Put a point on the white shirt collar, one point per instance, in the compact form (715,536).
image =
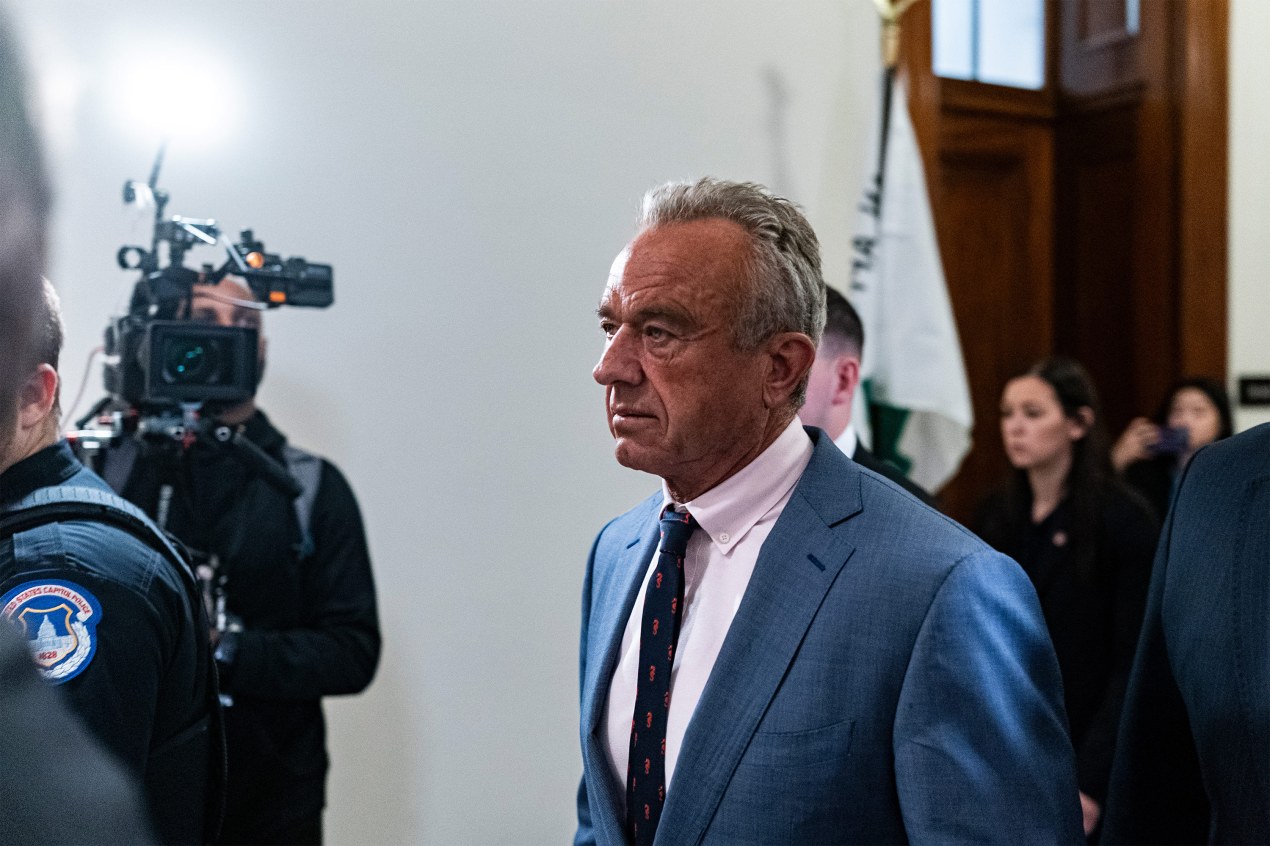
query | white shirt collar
(847,441)
(730,509)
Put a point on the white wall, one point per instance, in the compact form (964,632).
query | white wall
(1249,302)
(470,169)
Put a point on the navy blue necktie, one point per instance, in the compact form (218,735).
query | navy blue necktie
(658,639)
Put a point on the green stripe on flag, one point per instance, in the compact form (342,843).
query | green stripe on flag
(887,423)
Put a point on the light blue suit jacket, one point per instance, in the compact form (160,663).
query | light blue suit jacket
(887,678)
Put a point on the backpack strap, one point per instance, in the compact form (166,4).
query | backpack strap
(62,503)
(117,461)
(305,468)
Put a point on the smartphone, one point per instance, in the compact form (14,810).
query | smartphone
(1173,441)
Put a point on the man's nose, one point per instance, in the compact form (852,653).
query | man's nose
(620,360)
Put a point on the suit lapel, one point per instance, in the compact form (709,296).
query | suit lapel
(798,563)
(618,582)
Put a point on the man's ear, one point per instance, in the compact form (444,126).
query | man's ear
(36,398)
(846,372)
(790,355)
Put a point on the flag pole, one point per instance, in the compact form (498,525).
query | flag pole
(890,11)
(915,397)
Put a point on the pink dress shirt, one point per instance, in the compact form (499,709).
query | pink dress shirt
(736,517)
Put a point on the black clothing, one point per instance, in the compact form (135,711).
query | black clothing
(870,461)
(1154,479)
(1193,758)
(140,676)
(1093,611)
(309,624)
(57,784)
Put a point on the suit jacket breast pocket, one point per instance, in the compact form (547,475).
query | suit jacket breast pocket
(795,749)
(789,787)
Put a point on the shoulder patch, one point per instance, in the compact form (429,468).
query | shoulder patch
(59,620)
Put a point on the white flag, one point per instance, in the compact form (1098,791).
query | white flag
(914,379)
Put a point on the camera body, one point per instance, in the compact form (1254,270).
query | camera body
(156,359)
(171,362)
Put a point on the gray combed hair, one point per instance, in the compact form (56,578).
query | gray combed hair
(787,289)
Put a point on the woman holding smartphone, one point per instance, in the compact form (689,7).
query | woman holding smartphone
(1151,454)
(1085,541)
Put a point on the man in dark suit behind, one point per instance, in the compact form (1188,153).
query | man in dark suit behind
(831,388)
(810,655)
(1193,759)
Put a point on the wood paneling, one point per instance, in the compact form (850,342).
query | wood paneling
(1202,180)
(1095,227)
(995,239)
(1154,330)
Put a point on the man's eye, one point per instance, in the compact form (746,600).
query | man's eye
(656,333)
(609,329)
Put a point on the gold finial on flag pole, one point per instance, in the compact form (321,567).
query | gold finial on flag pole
(891,11)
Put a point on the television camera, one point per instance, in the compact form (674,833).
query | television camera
(166,375)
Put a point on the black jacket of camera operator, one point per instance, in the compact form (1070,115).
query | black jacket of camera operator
(308,618)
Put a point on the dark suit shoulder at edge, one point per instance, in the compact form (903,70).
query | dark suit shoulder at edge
(1247,454)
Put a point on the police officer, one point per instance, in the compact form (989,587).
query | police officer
(57,784)
(293,580)
(111,615)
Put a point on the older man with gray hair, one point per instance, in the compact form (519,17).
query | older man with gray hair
(807,654)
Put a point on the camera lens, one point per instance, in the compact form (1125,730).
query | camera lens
(191,361)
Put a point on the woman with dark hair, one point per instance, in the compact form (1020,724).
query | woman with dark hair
(1151,454)
(1086,543)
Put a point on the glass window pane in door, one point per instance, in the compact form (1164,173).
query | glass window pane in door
(952,22)
(1012,43)
(1132,16)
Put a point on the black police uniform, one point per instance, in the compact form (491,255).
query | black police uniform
(309,626)
(111,620)
(50,762)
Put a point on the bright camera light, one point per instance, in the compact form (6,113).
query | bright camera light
(185,96)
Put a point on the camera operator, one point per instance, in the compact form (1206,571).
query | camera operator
(293,598)
(111,614)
